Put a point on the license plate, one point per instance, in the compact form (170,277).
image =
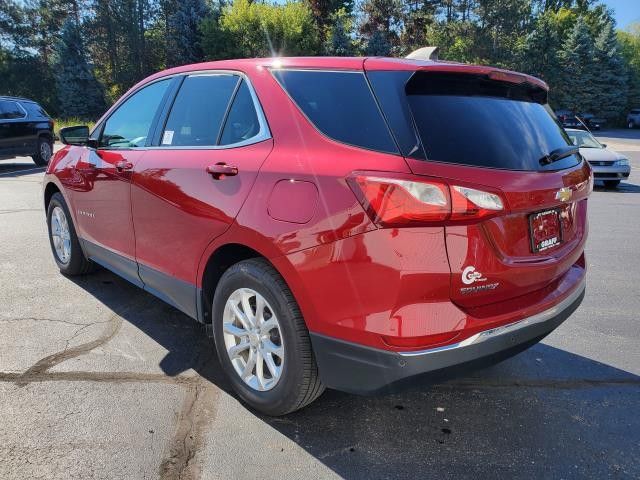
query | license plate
(545,229)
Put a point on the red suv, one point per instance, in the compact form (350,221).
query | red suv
(339,222)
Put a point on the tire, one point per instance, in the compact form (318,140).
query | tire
(298,383)
(43,153)
(611,184)
(69,258)
(631,124)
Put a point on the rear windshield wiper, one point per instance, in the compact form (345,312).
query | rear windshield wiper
(558,154)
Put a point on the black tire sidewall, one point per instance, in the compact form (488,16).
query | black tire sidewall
(37,158)
(283,397)
(77,260)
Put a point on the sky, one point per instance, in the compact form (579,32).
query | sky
(626,11)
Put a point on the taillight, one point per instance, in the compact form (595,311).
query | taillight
(399,202)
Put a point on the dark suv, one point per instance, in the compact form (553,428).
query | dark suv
(25,130)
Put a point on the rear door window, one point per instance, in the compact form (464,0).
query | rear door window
(10,110)
(464,119)
(340,105)
(199,110)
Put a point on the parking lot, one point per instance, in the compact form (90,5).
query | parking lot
(99,379)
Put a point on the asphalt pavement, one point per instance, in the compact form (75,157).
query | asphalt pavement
(99,379)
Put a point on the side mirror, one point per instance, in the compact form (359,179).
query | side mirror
(74,135)
(604,145)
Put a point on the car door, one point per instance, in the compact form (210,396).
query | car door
(13,130)
(103,204)
(188,189)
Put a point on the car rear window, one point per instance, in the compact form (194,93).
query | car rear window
(340,105)
(35,110)
(472,120)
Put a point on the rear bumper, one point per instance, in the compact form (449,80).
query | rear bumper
(359,369)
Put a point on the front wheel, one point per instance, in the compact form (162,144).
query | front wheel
(262,341)
(65,245)
(611,184)
(631,124)
(44,152)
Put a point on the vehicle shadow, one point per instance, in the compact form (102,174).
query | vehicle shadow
(624,187)
(544,413)
(18,169)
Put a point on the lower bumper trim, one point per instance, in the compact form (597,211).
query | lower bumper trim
(359,369)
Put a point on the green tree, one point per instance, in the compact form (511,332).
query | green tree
(79,92)
(579,65)
(339,40)
(250,29)
(540,56)
(629,44)
(378,45)
(380,22)
(610,85)
(183,32)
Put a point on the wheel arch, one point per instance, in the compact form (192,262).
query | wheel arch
(49,190)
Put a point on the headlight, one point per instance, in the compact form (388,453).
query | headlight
(623,162)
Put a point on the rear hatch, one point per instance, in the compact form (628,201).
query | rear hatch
(492,131)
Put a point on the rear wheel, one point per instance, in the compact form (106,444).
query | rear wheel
(611,184)
(44,152)
(65,245)
(631,124)
(262,341)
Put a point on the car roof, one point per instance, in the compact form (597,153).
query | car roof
(352,63)
(16,99)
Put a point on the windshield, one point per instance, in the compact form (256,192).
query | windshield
(583,139)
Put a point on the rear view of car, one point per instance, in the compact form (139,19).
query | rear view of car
(25,130)
(348,223)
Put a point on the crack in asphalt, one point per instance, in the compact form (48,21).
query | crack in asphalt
(104,377)
(113,325)
(195,415)
(2,212)
(52,320)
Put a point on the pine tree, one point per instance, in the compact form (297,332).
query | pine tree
(579,65)
(339,41)
(79,93)
(610,85)
(378,45)
(183,32)
(380,22)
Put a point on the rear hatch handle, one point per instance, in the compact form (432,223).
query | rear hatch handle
(558,154)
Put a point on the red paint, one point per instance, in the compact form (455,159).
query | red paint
(291,200)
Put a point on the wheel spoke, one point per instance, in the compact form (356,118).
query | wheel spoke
(269,325)
(248,368)
(236,350)
(271,365)
(233,330)
(260,369)
(246,307)
(271,347)
(239,314)
(260,304)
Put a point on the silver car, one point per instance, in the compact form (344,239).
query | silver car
(608,166)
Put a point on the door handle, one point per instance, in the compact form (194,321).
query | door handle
(123,165)
(221,170)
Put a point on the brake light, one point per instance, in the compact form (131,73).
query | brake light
(397,202)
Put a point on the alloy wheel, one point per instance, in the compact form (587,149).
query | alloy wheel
(60,235)
(253,340)
(45,151)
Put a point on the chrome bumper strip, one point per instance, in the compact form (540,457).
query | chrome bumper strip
(504,329)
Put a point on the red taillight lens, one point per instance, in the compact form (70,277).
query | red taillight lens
(398,202)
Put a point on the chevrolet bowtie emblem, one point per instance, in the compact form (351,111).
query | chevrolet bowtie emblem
(564,194)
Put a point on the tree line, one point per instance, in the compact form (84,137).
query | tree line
(77,57)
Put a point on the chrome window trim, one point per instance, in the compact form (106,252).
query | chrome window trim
(504,329)
(264,133)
